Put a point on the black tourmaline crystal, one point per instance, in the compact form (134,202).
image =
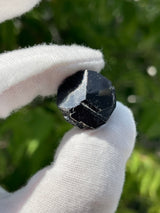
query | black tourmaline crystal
(86,99)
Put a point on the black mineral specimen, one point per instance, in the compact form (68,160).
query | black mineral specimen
(86,99)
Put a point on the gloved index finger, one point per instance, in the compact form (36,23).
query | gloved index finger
(13,8)
(27,73)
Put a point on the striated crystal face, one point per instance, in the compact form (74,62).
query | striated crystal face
(86,99)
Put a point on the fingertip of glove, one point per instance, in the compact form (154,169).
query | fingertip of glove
(119,132)
(120,129)
(10,9)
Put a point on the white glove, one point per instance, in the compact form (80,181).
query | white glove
(87,174)
(12,8)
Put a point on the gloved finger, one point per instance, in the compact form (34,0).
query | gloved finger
(13,8)
(27,73)
(3,193)
(88,172)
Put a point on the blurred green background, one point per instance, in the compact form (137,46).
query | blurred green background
(128,33)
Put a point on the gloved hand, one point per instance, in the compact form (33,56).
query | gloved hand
(87,174)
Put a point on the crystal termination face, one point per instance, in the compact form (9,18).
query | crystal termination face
(86,99)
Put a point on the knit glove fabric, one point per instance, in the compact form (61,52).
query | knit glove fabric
(87,173)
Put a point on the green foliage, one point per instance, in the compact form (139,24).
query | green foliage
(28,141)
(128,34)
(142,188)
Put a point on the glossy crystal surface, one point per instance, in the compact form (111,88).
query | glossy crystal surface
(86,99)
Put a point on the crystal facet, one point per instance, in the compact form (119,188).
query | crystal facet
(86,99)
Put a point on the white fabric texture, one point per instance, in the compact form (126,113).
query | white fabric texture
(13,8)
(39,70)
(87,174)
